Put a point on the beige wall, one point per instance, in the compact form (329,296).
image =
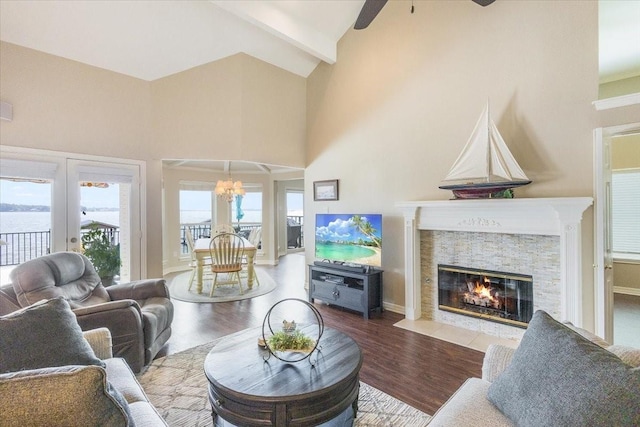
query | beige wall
(238,108)
(63,105)
(391,116)
(209,112)
(620,87)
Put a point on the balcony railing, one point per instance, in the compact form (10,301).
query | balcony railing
(27,245)
(23,246)
(203,230)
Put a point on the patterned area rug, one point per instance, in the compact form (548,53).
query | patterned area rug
(179,289)
(178,388)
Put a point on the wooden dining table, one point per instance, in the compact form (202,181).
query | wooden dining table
(202,252)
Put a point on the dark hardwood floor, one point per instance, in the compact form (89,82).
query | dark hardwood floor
(414,368)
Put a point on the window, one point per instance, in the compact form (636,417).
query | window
(195,206)
(196,210)
(250,210)
(625,213)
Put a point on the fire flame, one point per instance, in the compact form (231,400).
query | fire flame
(482,294)
(483,291)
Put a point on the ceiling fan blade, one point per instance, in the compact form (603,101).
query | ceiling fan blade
(483,2)
(369,11)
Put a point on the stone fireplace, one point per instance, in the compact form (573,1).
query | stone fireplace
(538,239)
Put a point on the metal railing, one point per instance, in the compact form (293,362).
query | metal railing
(23,246)
(26,245)
(295,232)
(203,230)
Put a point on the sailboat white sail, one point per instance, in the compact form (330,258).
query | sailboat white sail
(485,166)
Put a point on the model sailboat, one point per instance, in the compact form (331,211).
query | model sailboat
(485,168)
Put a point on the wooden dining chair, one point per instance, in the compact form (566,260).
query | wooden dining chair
(222,228)
(227,251)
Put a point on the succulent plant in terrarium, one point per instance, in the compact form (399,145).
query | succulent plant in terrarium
(290,341)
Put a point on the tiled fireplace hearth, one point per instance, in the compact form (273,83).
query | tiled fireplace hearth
(537,238)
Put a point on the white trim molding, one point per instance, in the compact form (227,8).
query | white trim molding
(616,102)
(539,216)
(626,291)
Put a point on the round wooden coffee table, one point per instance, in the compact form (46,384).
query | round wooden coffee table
(246,390)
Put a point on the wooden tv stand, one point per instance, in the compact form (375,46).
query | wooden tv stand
(355,288)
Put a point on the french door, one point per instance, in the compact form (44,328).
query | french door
(85,192)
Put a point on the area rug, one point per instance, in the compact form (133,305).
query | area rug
(177,387)
(179,289)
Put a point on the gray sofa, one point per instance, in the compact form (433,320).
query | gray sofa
(54,374)
(138,314)
(77,395)
(552,354)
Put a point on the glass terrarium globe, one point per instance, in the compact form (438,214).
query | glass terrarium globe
(291,330)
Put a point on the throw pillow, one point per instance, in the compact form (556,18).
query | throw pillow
(61,396)
(41,335)
(559,378)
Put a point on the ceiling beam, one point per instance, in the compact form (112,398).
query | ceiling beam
(278,23)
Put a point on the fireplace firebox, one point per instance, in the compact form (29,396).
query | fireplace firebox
(492,295)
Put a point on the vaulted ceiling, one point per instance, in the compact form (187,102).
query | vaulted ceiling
(154,39)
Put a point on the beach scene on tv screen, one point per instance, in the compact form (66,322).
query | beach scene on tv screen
(349,238)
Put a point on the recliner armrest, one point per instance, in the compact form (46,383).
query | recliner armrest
(139,290)
(124,320)
(105,307)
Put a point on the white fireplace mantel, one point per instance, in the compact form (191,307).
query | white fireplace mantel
(561,216)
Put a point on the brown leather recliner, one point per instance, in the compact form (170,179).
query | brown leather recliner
(138,314)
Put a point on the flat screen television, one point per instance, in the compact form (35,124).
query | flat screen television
(349,238)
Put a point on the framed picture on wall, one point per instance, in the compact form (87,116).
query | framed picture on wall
(325,190)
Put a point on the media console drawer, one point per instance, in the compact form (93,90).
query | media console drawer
(355,291)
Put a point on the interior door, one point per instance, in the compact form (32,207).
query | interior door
(106,196)
(603,236)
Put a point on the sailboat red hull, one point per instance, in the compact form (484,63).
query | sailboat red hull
(484,190)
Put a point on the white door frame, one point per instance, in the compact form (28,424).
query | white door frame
(60,197)
(603,265)
(130,243)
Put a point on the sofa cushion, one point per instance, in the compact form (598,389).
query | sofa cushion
(61,396)
(42,335)
(122,378)
(559,378)
(469,405)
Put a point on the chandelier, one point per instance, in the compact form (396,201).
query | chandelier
(229,188)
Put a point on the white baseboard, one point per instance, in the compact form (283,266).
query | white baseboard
(626,291)
(393,307)
(176,269)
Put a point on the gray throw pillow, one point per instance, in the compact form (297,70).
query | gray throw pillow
(42,335)
(61,396)
(559,378)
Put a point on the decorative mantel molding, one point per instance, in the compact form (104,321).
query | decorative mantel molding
(560,216)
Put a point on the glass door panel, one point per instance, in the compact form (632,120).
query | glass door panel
(104,216)
(30,216)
